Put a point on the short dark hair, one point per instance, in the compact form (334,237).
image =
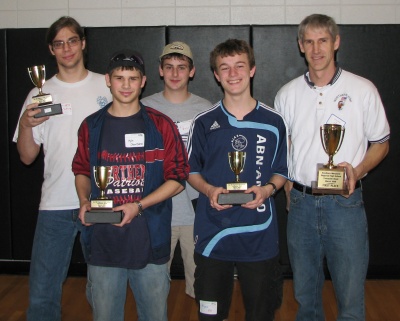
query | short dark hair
(61,23)
(229,48)
(318,21)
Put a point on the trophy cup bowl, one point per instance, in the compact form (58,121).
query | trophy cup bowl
(236,196)
(332,138)
(37,74)
(330,178)
(236,162)
(102,207)
(102,176)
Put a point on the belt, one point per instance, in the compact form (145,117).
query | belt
(308,189)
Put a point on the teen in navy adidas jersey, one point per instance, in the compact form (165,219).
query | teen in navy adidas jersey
(244,236)
(149,166)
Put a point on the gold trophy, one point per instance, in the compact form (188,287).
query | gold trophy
(102,207)
(236,189)
(331,178)
(45,101)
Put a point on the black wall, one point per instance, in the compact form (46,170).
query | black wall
(368,50)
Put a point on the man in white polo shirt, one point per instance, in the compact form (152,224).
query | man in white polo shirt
(329,226)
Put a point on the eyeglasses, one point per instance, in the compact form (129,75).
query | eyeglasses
(122,57)
(71,43)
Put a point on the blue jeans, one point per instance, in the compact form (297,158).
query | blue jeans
(335,228)
(51,255)
(106,291)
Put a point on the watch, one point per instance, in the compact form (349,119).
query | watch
(273,188)
(140,207)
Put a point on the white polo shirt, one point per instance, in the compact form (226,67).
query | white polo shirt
(349,100)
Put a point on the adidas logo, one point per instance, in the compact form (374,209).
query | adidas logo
(215,126)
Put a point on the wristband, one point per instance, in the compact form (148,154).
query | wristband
(273,188)
(140,207)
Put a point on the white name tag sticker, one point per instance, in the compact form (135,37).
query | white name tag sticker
(208,307)
(333,119)
(134,140)
(67,109)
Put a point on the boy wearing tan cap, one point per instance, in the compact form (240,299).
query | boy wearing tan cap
(177,68)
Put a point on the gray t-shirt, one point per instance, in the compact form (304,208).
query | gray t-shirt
(182,114)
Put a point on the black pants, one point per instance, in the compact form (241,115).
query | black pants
(261,284)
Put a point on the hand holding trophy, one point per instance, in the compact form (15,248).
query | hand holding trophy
(331,178)
(236,195)
(45,101)
(102,207)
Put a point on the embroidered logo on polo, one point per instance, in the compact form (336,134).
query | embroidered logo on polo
(341,100)
(239,142)
(215,126)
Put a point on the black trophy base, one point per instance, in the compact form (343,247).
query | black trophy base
(328,191)
(103,216)
(235,198)
(48,110)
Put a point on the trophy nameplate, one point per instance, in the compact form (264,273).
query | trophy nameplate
(236,195)
(102,208)
(37,74)
(330,178)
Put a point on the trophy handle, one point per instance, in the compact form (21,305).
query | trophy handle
(343,130)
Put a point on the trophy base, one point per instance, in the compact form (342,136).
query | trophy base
(48,110)
(330,181)
(44,99)
(236,186)
(102,204)
(103,216)
(327,191)
(235,198)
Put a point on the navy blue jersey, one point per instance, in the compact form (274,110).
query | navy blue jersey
(237,234)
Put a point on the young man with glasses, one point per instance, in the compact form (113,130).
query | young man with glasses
(177,68)
(80,92)
(149,165)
